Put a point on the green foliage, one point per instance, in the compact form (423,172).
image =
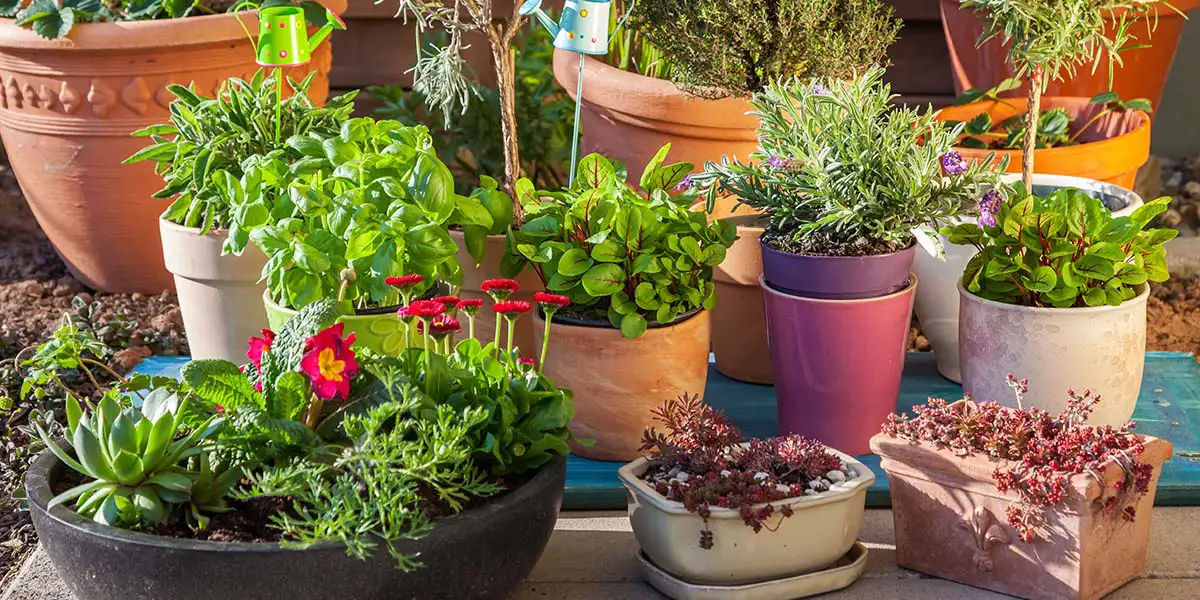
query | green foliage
(630,51)
(68,349)
(1064,250)
(633,258)
(202,151)
(133,459)
(367,202)
(722,48)
(472,137)
(840,171)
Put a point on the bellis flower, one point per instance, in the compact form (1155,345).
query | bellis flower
(499,289)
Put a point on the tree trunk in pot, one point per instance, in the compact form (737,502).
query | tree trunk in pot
(67,108)
(473,278)
(220,296)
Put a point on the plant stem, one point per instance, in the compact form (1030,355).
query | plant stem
(471,326)
(505,62)
(314,412)
(545,342)
(278,103)
(102,366)
(499,326)
(1032,114)
(512,323)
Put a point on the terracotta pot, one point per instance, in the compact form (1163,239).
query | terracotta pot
(473,278)
(937,298)
(220,296)
(1142,75)
(950,523)
(618,381)
(739,325)
(1113,149)
(821,530)
(380,330)
(627,117)
(1102,349)
(66,111)
(837,363)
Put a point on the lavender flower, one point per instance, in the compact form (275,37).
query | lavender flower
(953,163)
(989,206)
(819,90)
(777,162)
(685,184)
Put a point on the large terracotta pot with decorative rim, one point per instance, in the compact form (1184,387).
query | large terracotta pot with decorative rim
(617,381)
(627,117)
(951,523)
(473,278)
(1112,149)
(1142,74)
(67,108)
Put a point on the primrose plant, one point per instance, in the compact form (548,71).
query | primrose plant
(631,258)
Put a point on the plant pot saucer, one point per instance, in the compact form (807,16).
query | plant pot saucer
(840,574)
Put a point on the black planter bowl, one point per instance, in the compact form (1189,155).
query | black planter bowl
(483,553)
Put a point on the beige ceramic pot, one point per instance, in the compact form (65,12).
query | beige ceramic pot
(821,530)
(473,278)
(67,108)
(1102,349)
(739,323)
(220,296)
(618,381)
(950,523)
(628,117)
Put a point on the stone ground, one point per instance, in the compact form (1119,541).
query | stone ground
(592,556)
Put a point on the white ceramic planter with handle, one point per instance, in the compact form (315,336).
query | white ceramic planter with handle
(821,530)
(219,296)
(937,297)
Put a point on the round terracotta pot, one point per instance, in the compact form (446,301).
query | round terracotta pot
(380,329)
(1113,149)
(617,381)
(837,363)
(1101,349)
(739,326)
(220,296)
(627,117)
(837,277)
(67,108)
(1142,75)
(473,278)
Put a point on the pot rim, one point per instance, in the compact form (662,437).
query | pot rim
(1142,297)
(767,248)
(908,289)
(165,222)
(1143,129)
(629,475)
(37,486)
(384,311)
(1132,199)
(688,316)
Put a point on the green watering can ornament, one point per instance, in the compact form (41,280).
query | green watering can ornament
(583,29)
(283,36)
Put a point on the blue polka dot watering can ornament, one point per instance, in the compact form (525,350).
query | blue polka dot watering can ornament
(583,29)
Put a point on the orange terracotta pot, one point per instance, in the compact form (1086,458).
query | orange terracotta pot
(618,381)
(1113,149)
(1143,74)
(627,117)
(473,278)
(67,108)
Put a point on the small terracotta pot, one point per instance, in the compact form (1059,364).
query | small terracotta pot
(739,325)
(220,296)
(837,363)
(1102,349)
(821,529)
(380,330)
(1113,148)
(627,117)
(1142,74)
(618,381)
(473,278)
(67,108)
(950,523)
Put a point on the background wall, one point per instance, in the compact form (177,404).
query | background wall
(1177,127)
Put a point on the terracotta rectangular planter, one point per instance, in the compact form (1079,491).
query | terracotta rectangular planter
(950,523)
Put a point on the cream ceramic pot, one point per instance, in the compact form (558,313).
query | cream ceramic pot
(220,296)
(1101,349)
(937,301)
(820,531)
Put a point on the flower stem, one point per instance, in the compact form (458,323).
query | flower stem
(499,326)
(545,341)
(314,412)
(471,325)
(512,323)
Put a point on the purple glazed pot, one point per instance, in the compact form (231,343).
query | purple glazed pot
(837,363)
(837,277)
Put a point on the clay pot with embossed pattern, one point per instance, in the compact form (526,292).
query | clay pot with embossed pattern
(67,108)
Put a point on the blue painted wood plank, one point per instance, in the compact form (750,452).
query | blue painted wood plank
(1169,408)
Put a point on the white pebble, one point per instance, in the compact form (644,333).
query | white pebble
(726,473)
(682,476)
(810,492)
(760,476)
(782,489)
(835,476)
(674,471)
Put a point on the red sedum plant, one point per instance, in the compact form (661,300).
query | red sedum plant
(702,461)
(1041,451)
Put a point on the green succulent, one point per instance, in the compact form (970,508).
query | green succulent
(132,459)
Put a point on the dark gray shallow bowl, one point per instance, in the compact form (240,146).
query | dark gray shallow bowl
(483,553)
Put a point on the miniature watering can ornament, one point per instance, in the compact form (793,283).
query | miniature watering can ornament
(583,29)
(283,36)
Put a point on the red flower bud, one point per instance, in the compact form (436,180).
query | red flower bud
(404,281)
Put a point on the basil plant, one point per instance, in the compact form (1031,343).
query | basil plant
(633,258)
(369,201)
